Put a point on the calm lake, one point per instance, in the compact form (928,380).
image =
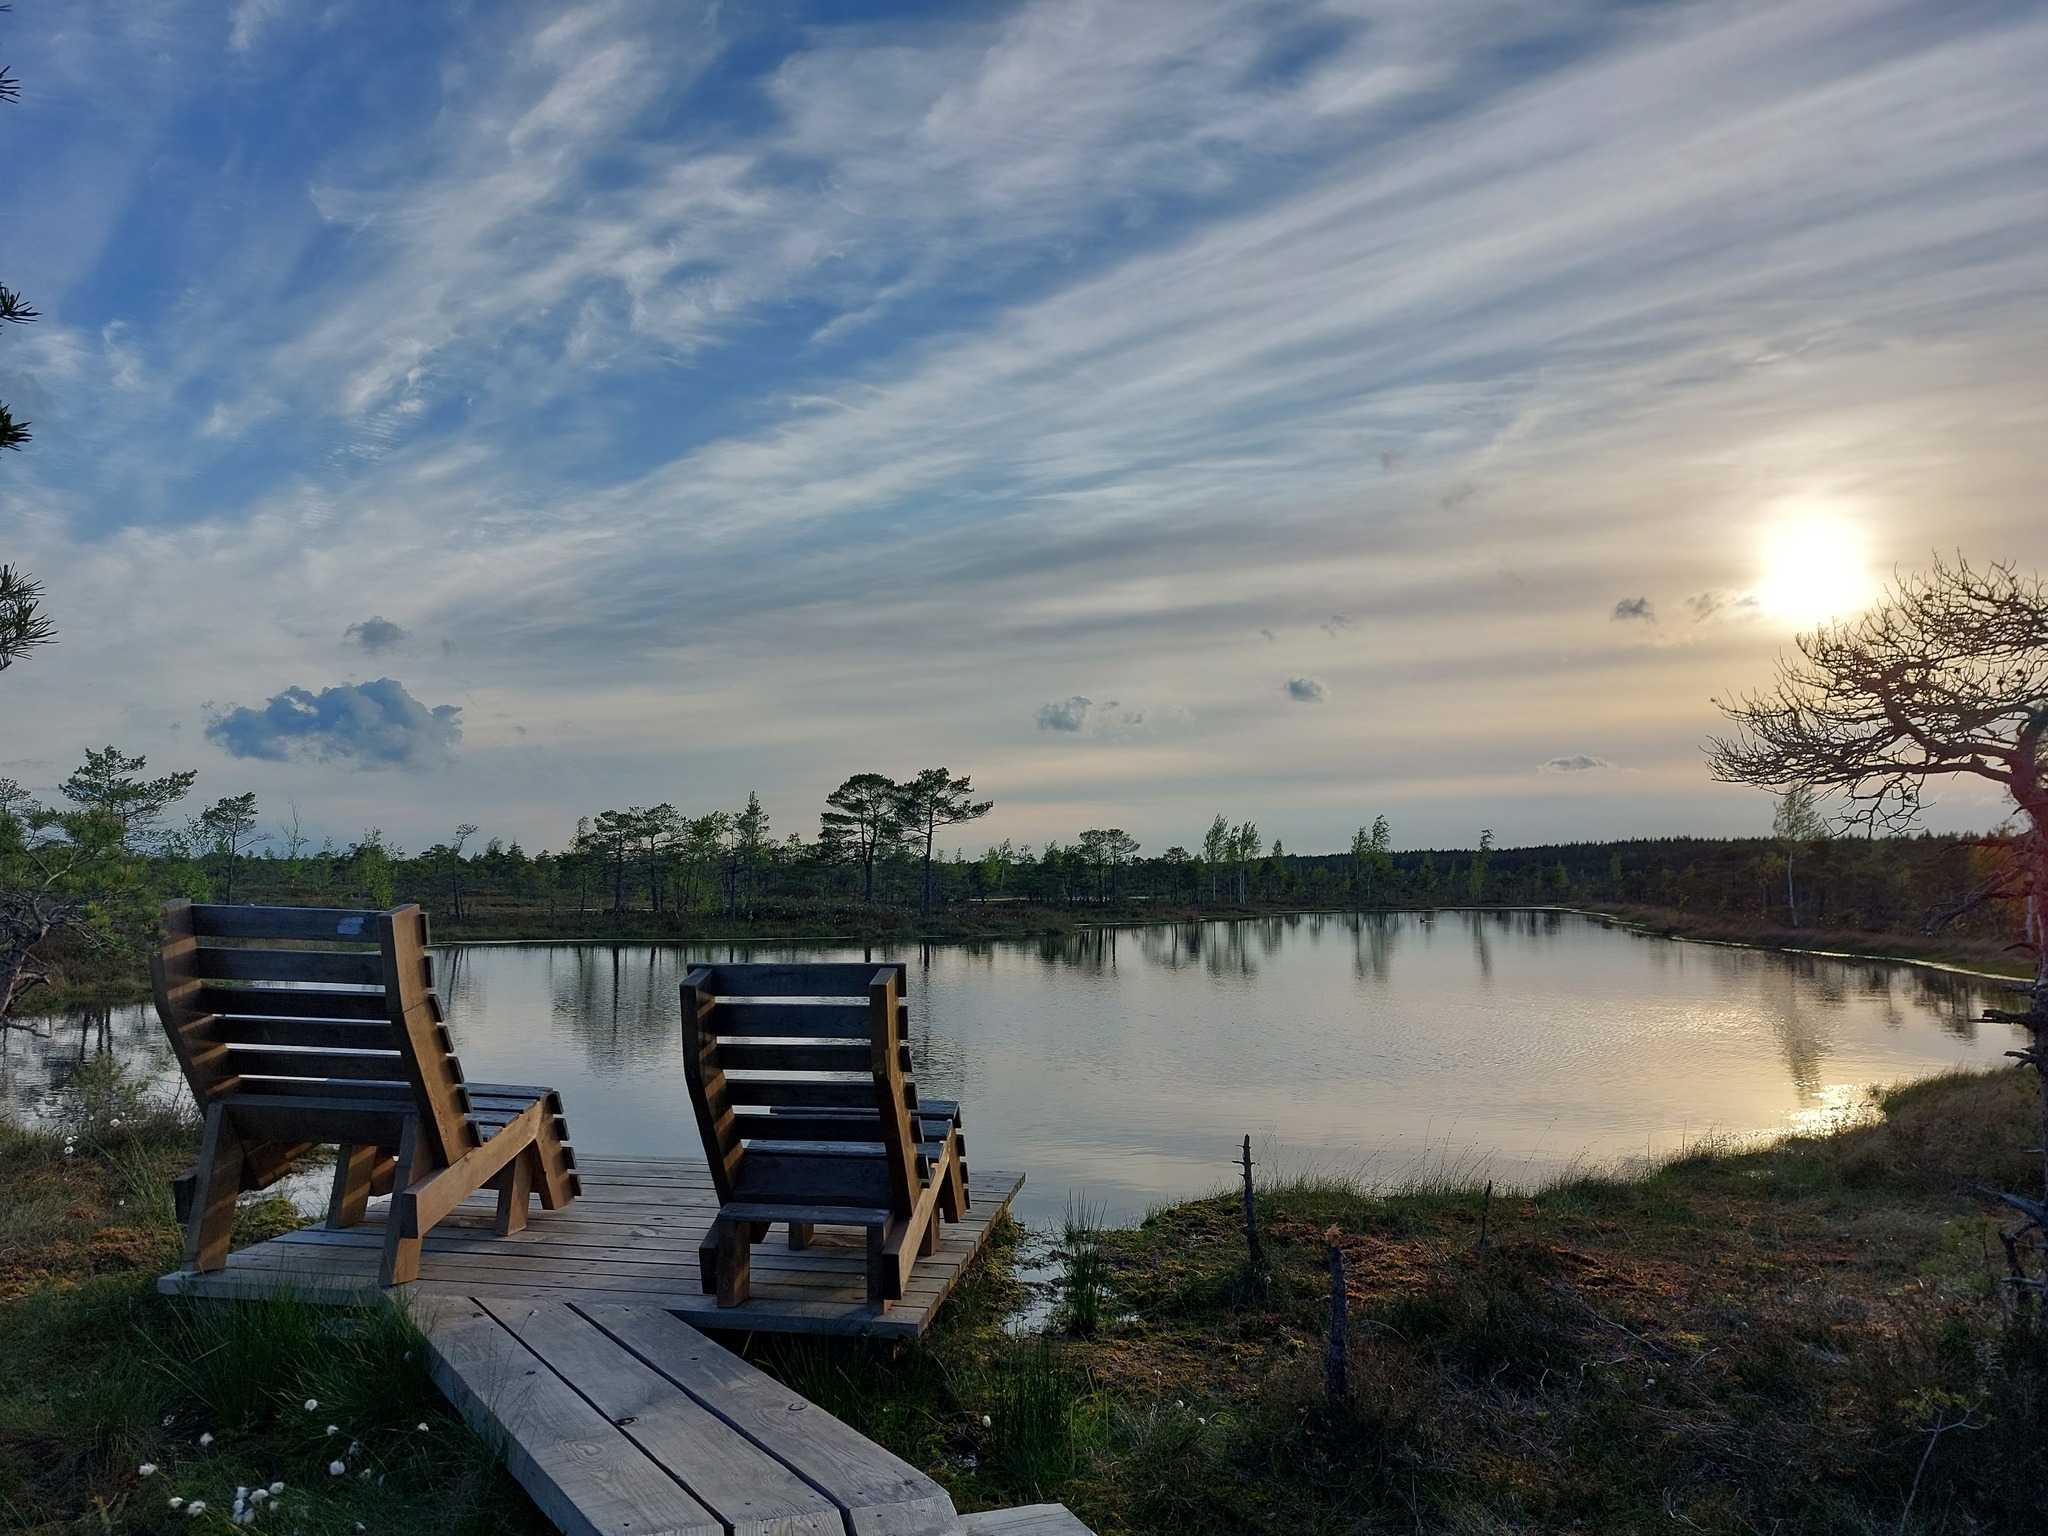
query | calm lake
(1121,1067)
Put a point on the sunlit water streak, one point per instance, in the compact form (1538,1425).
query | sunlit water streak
(1121,1066)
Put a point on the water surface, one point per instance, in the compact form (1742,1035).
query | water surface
(1122,1066)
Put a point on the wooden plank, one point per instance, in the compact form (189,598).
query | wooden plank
(745,1055)
(1029,1520)
(360,968)
(581,1470)
(267,1002)
(424,1203)
(329,1034)
(882,1494)
(751,1491)
(840,979)
(307,923)
(363,1067)
(416,1018)
(284,1116)
(804,1093)
(789,1021)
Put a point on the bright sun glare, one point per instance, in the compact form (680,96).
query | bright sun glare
(1813,570)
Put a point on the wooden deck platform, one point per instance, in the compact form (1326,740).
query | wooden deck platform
(631,1239)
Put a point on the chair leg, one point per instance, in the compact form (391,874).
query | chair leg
(879,1267)
(735,1261)
(353,1168)
(800,1234)
(213,1199)
(515,1193)
(402,1249)
(928,1239)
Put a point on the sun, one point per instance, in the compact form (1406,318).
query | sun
(1813,569)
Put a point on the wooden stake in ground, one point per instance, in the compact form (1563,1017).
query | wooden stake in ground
(1485,1210)
(1256,1254)
(1334,1389)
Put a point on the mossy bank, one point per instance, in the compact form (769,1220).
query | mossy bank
(1810,1336)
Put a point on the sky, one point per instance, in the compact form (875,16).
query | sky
(1300,412)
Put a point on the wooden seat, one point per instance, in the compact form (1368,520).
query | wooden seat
(304,1026)
(805,1096)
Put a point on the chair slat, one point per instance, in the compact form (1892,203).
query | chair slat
(348,925)
(840,979)
(280,1117)
(822,1125)
(268,1088)
(803,1091)
(292,1003)
(767,1175)
(806,1021)
(363,968)
(380,1067)
(748,1055)
(322,1034)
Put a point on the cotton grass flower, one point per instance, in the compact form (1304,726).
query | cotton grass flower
(276,1489)
(336,1468)
(312,1404)
(196,1507)
(334,1429)
(424,1430)
(176,1502)
(147,1469)
(206,1438)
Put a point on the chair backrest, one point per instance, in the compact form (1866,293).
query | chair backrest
(322,1023)
(800,1053)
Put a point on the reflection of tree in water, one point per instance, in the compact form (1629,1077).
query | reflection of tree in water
(452,978)
(1086,949)
(1372,944)
(619,1000)
(1950,1000)
(37,1065)
(1804,1036)
(1170,946)
(1481,951)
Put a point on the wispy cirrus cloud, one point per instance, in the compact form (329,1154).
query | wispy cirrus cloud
(929,360)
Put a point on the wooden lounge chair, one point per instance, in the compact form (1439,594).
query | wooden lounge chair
(289,1046)
(801,1079)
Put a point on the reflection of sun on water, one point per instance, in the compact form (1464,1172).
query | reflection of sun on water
(1813,570)
(1837,1107)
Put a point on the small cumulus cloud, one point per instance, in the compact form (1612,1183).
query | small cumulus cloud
(1067,715)
(1108,719)
(1634,608)
(376,634)
(1337,623)
(1306,690)
(373,725)
(1719,603)
(1578,762)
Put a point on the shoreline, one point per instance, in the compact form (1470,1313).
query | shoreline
(1663,923)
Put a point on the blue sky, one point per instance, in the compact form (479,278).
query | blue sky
(1297,411)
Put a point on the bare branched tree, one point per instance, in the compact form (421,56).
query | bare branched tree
(1945,675)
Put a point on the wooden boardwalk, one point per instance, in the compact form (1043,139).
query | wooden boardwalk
(565,1345)
(621,1420)
(631,1239)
